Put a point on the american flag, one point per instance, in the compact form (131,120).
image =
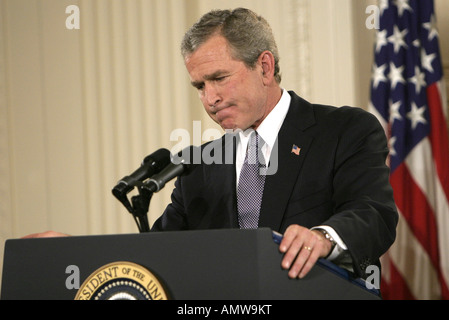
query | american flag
(296,150)
(408,97)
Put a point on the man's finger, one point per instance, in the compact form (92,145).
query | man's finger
(308,265)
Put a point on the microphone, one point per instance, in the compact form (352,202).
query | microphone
(158,181)
(151,164)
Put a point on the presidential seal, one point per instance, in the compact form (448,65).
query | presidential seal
(121,281)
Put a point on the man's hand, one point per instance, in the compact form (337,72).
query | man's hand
(302,248)
(46,234)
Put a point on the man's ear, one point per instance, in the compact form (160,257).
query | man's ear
(266,61)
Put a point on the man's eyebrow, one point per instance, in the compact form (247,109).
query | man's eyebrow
(211,76)
(197,84)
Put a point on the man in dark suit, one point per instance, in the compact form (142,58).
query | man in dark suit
(326,188)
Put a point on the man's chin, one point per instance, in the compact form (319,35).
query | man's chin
(228,125)
(232,129)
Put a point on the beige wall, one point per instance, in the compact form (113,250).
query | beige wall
(79,109)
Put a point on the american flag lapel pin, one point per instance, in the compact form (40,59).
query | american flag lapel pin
(296,150)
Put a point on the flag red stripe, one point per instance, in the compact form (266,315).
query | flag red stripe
(396,288)
(439,136)
(444,289)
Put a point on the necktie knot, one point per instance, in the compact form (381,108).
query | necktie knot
(254,154)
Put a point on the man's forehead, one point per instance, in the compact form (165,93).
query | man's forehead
(211,59)
(210,50)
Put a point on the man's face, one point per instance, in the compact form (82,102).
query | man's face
(233,95)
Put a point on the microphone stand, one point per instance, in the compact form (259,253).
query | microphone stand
(140,204)
(139,208)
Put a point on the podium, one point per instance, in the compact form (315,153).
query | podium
(225,264)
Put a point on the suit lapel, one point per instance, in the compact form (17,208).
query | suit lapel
(222,182)
(278,186)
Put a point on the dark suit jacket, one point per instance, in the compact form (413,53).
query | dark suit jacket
(338,179)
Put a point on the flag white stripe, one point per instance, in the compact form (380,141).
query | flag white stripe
(443,94)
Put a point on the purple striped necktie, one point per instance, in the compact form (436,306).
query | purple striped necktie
(251,184)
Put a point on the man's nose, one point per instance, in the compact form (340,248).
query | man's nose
(212,95)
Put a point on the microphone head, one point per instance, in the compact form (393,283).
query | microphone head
(151,164)
(158,160)
(181,163)
(121,189)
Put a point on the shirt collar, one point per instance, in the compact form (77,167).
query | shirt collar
(269,128)
(271,125)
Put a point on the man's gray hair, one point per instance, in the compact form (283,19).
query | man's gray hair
(247,33)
